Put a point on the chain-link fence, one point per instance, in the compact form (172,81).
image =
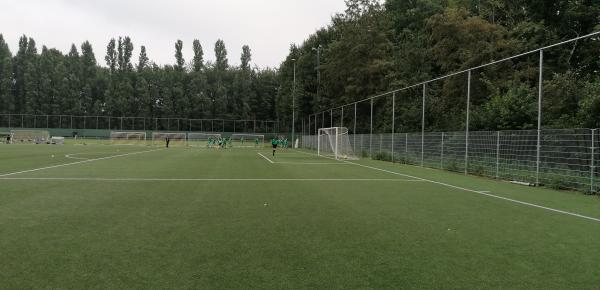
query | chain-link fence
(568,157)
(455,121)
(16,121)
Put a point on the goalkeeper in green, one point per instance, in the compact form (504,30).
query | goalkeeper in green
(255,142)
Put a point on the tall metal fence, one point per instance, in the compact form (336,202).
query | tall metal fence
(136,123)
(565,158)
(568,157)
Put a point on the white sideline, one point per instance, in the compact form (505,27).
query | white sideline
(265,157)
(205,179)
(472,190)
(78,162)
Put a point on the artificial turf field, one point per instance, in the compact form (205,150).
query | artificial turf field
(103,216)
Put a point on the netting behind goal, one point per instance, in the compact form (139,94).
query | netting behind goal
(175,139)
(247,140)
(334,142)
(128,138)
(29,136)
(202,139)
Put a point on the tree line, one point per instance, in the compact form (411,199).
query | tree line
(376,47)
(370,48)
(50,82)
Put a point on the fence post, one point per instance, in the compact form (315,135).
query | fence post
(380,143)
(406,147)
(539,124)
(371,133)
(342,118)
(442,153)
(592,165)
(423,127)
(497,154)
(331,117)
(354,131)
(393,122)
(467,123)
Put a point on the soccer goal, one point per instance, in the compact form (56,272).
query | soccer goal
(202,139)
(247,140)
(334,142)
(175,139)
(128,138)
(29,136)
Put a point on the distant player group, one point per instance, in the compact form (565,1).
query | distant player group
(226,142)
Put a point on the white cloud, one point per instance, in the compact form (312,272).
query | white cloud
(267,26)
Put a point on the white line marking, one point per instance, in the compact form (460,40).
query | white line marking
(311,163)
(70,156)
(474,191)
(265,157)
(78,162)
(205,179)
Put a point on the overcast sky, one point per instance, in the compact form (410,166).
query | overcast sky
(267,26)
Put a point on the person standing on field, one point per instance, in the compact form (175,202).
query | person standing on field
(167,140)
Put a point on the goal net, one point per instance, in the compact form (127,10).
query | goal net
(29,136)
(247,140)
(175,139)
(334,142)
(128,138)
(202,139)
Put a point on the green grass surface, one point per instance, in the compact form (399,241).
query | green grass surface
(230,219)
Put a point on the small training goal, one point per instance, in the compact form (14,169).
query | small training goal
(175,139)
(128,138)
(247,140)
(29,136)
(335,142)
(202,139)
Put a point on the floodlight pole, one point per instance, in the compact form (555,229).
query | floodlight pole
(467,123)
(539,125)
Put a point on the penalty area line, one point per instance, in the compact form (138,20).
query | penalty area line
(484,193)
(265,157)
(75,163)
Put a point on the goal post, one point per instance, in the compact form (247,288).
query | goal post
(128,138)
(247,140)
(29,136)
(175,139)
(202,139)
(335,142)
